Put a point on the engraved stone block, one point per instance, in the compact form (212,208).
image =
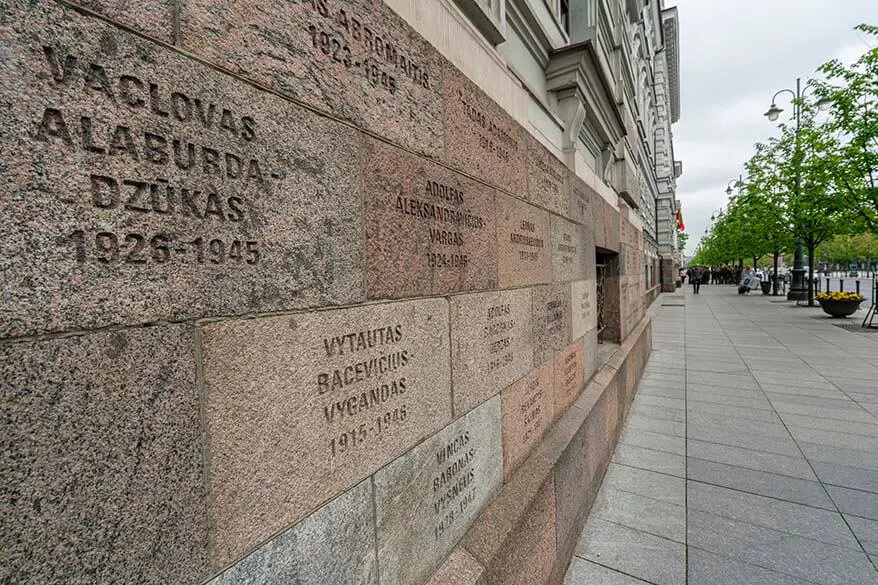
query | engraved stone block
(426,500)
(582,203)
(551,319)
(491,344)
(139,185)
(301,407)
(528,410)
(153,17)
(570,250)
(569,374)
(584,307)
(611,227)
(102,463)
(428,230)
(523,243)
(591,353)
(480,137)
(546,178)
(355,58)
(335,544)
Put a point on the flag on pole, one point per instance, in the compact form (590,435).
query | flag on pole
(680,225)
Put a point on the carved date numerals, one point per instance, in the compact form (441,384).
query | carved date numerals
(134,248)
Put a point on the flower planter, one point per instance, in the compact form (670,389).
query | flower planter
(839,308)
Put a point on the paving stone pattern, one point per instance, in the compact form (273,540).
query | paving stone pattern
(750,454)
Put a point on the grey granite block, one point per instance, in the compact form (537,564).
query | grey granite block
(664,427)
(839,456)
(836,439)
(735,412)
(725,436)
(335,544)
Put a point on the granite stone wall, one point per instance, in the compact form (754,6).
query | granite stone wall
(287,299)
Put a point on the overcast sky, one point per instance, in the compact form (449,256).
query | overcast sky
(733,57)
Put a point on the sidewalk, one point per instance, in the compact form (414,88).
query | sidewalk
(750,456)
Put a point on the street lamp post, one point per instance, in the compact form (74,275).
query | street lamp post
(797,286)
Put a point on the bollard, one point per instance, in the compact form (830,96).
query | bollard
(858,287)
(827,285)
(840,285)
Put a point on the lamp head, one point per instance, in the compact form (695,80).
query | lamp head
(773,112)
(729,190)
(824,104)
(712,217)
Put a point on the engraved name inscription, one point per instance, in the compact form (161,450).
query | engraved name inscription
(454,482)
(492,137)
(447,225)
(524,236)
(215,180)
(532,410)
(567,249)
(499,338)
(366,396)
(344,38)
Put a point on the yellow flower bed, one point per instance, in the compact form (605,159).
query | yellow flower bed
(839,296)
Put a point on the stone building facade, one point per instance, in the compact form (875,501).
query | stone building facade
(322,291)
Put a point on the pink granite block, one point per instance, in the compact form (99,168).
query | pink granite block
(428,230)
(301,407)
(139,185)
(546,178)
(523,243)
(481,139)
(354,58)
(551,320)
(528,408)
(569,375)
(491,344)
(152,17)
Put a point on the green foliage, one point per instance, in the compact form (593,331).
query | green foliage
(853,91)
(845,247)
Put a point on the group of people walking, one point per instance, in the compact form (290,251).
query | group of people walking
(699,275)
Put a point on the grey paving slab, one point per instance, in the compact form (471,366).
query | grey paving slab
(725,436)
(773,428)
(792,466)
(847,414)
(662,401)
(827,424)
(658,461)
(658,412)
(792,518)
(644,556)
(658,486)
(846,476)
(743,395)
(793,555)
(657,441)
(707,568)
(835,439)
(854,502)
(583,572)
(699,395)
(662,391)
(791,489)
(717,379)
(840,456)
(731,411)
(653,516)
(665,427)
(866,531)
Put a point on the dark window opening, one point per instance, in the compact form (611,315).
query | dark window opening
(564,15)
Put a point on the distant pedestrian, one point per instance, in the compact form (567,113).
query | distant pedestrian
(697,275)
(682,276)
